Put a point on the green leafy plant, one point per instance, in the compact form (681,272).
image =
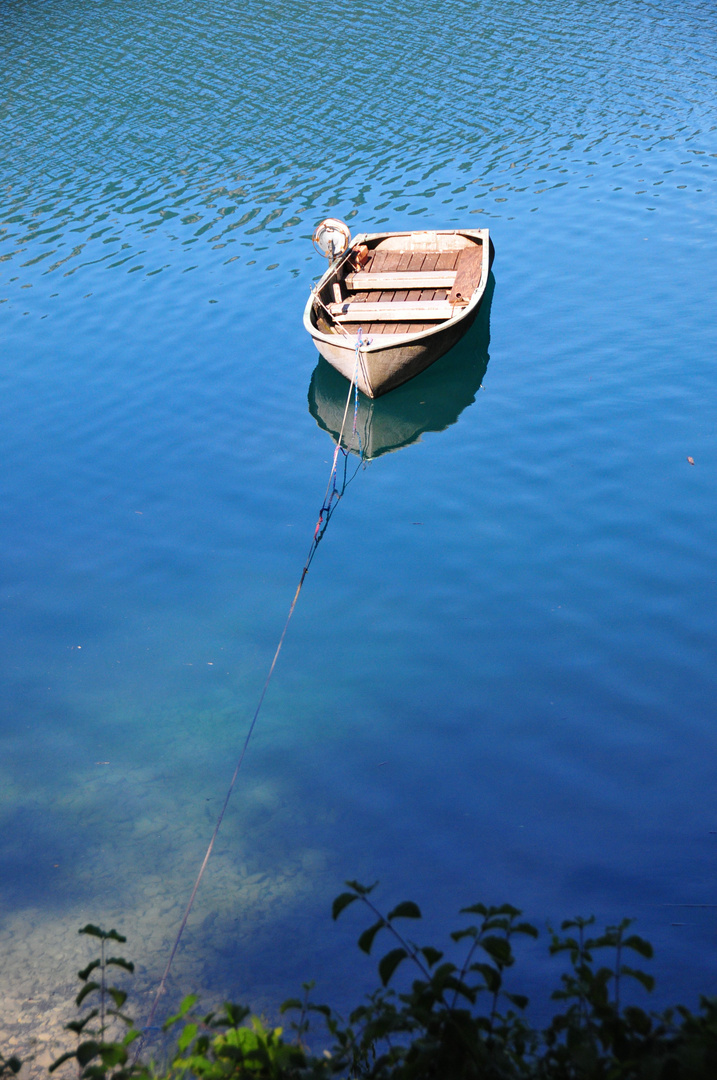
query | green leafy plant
(231,1043)
(98,1056)
(437,1014)
(435,1028)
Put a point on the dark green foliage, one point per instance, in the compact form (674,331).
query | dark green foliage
(98,1055)
(446,1019)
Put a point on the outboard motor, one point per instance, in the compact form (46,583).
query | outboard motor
(331,238)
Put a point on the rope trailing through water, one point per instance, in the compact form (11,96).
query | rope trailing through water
(332,497)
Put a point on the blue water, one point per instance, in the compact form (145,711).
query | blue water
(499,682)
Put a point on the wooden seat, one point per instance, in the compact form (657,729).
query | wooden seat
(420,279)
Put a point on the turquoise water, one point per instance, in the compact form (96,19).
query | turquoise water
(499,682)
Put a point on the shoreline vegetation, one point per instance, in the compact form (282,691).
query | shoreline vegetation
(448,1014)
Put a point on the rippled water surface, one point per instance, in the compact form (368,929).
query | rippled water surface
(499,682)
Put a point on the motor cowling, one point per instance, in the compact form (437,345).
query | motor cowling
(331,237)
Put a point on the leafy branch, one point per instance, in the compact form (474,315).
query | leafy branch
(99,1057)
(453,1021)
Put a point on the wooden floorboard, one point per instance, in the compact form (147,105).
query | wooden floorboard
(447,260)
(377,262)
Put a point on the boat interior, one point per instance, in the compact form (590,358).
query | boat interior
(401,284)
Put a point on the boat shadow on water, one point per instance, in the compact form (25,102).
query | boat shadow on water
(431,401)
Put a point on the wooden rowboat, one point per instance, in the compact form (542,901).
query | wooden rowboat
(405,298)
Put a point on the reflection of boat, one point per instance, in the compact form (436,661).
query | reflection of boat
(431,402)
(391,303)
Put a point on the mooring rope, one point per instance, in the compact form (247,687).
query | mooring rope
(331,499)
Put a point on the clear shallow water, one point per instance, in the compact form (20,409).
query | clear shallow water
(499,682)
